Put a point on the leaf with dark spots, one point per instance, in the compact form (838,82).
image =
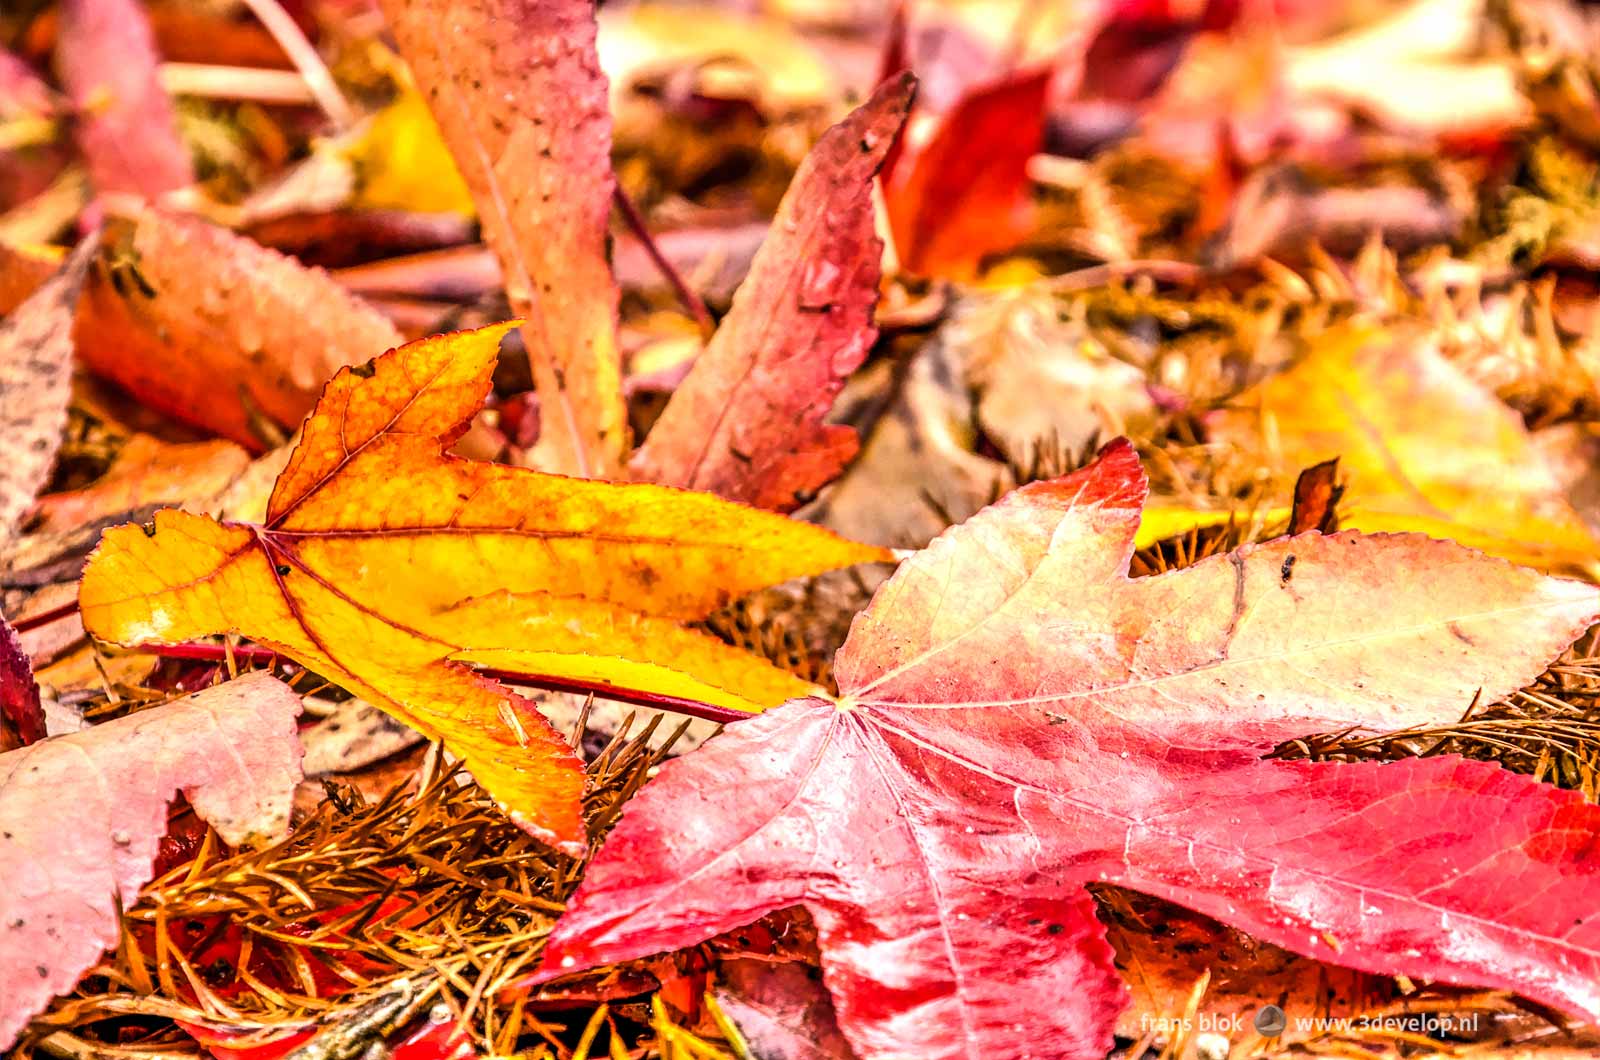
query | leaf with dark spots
(36,384)
(1019,718)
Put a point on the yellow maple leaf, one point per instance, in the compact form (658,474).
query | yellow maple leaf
(392,568)
(1424,447)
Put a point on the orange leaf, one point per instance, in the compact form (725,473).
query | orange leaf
(147,471)
(389,567)
(519,96)
(216,329)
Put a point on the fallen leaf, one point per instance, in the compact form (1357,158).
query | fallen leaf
(1008,372)
(126,128)
(146,471)
(1019,718)
(1132,53)
(504,568)
(244,500)
(781,1010)
(354,735)
(22,272)
(68,862)
(36,385)
(747,423)
(1164,519)
(1424,447)
(1316,499)
(1281,211)
(1419,69)
(965,193)
(402,164)
(917,470)
(1044,382)
(217,330)
(517,90)
(21,711)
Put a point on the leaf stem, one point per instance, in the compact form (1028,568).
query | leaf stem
(266,657)
(691,301)
(319,80)
(44,618)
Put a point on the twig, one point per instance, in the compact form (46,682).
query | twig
(318,79)
(246,653)
(287,87)
(691,301)
(44,618)
(1100,275)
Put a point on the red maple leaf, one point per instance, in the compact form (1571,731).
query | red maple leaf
(965,193)
(1019,718)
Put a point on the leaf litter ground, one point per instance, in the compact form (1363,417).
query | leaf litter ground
(489,893)
(478,916)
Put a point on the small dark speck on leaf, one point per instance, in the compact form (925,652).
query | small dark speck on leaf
(283,570)
(148,528)
(1287,570)
(363,371)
